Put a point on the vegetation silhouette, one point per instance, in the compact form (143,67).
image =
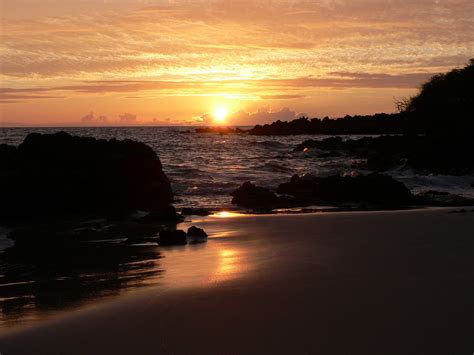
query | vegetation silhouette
(445,103)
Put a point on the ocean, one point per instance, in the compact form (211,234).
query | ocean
(204,168)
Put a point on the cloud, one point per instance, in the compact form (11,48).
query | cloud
(188,38)
(249,87)
(128,119)
(281,97)
(266,115)
(251,49)
(261,116)
(91,119)
(165,122)
(8,95)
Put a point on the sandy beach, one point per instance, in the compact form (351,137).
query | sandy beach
(397,282)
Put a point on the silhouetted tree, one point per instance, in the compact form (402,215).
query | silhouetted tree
(446,101)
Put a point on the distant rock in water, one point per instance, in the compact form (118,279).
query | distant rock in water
(434,153)
(59,175)
(380,123)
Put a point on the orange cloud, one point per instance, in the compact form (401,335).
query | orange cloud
(250,50)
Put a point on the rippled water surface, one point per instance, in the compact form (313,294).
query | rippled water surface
(205,168)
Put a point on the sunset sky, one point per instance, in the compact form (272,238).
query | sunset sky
(94,62)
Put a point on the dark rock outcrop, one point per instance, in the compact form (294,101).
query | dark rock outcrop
(435,153)
(195,232)
(380,123)
(60,175)
(447,154)
(177,237)
(251,196)
(374,189)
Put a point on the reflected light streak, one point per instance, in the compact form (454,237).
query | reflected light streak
(229,263)
(226,214)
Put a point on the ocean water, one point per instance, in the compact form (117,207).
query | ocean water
(205,168)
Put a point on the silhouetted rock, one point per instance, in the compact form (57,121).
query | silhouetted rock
(249,195)
(59,174)
(195,212)
(196,234)
(374,188)
(434,153)
(380,123)
(177,237)
(447,154)
(330,144)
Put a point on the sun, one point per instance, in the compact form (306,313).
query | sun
(220,114)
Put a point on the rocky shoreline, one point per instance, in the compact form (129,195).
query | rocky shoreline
(54,185)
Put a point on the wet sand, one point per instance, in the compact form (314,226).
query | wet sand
(398,282)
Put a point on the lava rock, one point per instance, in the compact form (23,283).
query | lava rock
(372,188)
(62,175)
(249,195)
(177,237)
(196,232)
(331,143)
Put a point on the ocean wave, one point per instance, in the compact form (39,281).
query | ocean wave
(271,144)
(276,167)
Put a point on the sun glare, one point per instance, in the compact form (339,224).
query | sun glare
(225,214)
(220,114)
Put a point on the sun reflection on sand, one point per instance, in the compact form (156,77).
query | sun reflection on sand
(226,214)
(230,264)
(204,264)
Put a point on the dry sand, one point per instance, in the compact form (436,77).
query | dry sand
(333,283)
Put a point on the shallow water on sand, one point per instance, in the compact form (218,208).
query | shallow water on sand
(205,168)
(38,284)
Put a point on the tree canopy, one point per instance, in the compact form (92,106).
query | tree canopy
(444,97)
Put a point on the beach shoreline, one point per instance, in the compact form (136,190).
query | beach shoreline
(386,282)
